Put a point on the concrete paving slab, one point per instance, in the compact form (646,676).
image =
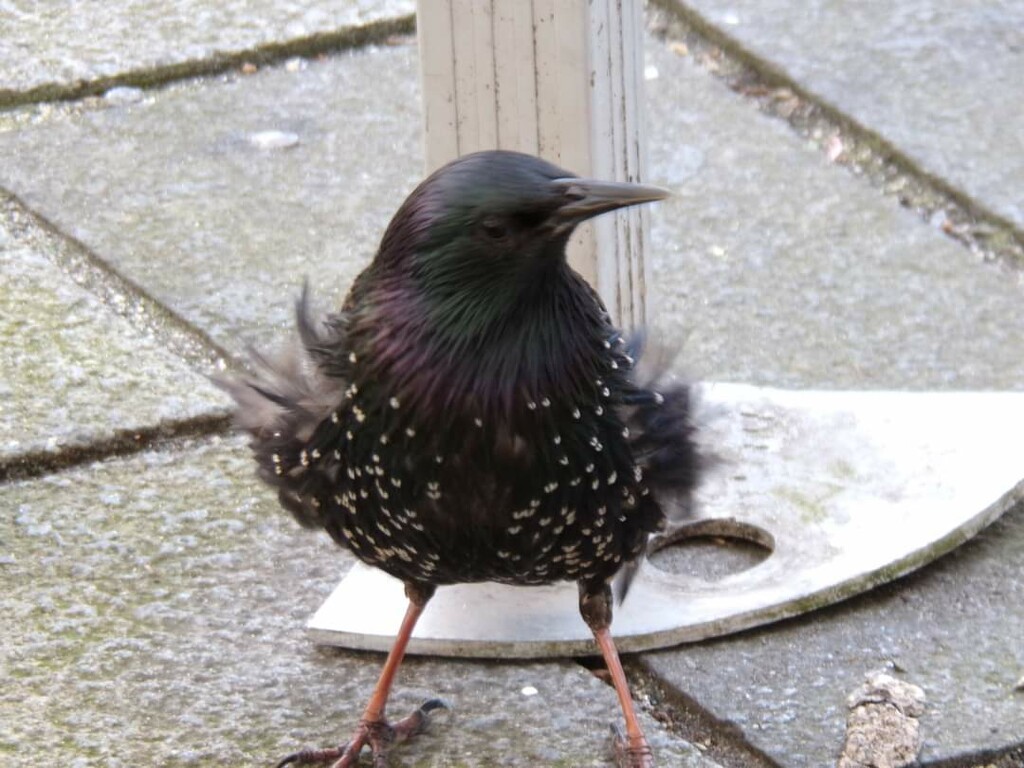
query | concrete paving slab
(74,373)
(938,79)
(953,628)
(154,617)
(759,219)
(185,194)
(776,269)
(52,49)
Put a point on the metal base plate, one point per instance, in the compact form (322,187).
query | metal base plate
(848,489)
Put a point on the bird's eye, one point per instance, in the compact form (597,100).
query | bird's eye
(495,229)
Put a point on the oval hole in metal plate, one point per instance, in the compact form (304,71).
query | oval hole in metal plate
(711,549)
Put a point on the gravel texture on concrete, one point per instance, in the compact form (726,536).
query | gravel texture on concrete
(155,608)
(73,372)
(776,269)
(937,79)
(247,185)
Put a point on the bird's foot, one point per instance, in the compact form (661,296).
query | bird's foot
(631,752)
(380,735)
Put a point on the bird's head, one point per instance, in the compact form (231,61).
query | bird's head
(500,214)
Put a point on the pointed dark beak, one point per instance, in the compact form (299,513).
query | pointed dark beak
(585,198)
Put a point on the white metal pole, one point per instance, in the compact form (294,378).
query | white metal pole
(561,79)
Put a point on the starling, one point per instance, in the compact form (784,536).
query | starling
(471,414)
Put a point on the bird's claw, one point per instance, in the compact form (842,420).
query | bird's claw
(380,735)
(631,753)
(312,756)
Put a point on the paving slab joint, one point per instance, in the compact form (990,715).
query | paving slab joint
(844,140)
(1011,757)
(684,717)
(122,295)
(167,435)
(270,53)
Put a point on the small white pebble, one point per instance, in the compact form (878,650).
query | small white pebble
(267,140)
(121,95)
(529,690)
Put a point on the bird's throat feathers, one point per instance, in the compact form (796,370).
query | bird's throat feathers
(479,339)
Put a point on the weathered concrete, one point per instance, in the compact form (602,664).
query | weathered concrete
(938,79)
(815,282)
(159,606)
(174,193)
(52,48)
(153,616)
(74,373)
(776,269)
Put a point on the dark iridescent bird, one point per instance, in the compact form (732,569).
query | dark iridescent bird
(471,414)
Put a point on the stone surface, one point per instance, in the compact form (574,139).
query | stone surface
(759,219)
(938,79)
(73,372)
(953,628)
(154,611)
(60,45)
(776,269)
(882,728)
(243,225)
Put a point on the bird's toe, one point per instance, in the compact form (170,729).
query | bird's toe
(379,735)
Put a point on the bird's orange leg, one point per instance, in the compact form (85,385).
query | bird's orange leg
(373,728)
(632,750)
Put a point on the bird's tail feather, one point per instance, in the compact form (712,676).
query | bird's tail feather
(281,402)
(662,422)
